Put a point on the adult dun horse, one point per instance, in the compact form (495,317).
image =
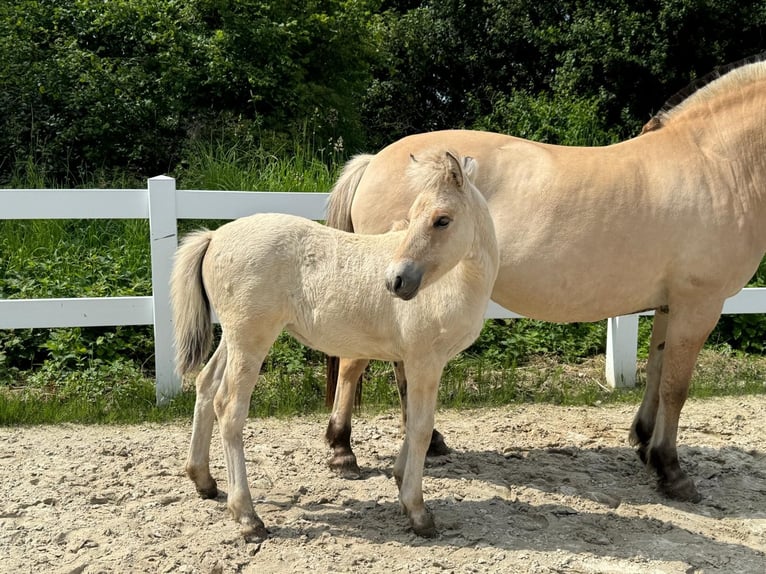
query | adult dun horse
(333,291)
(673,220)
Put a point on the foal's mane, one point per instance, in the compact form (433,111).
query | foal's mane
(721,79)
(429,169)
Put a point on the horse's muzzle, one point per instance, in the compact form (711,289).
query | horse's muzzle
(403,279)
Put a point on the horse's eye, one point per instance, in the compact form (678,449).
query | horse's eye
(442,222)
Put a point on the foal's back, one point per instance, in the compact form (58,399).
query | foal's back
(324,286)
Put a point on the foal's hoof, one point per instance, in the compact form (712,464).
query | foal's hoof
(682,490)
(345,466)
(423,525)
(438,447)
(208,492)
(204,483)
(255,532)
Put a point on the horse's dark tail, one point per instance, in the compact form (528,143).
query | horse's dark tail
(339,217)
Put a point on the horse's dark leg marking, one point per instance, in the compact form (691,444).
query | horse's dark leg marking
(437,446)
(338,434)
(343,460)
(671,479)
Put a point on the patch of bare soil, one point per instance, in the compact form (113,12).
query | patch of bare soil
(530,488)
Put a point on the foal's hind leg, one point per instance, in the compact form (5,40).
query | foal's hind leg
(437,447)
(198,460)
(689,324)
(643,423)
(338,434)
(231,405)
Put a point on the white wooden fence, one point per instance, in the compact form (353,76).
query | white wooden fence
(163,206)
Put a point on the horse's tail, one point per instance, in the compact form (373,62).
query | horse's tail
(339,217)
(191,308)
(342,193)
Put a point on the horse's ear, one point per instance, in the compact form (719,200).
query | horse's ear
(470,168)
(456,170)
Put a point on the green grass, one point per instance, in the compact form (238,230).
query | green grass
(118,394)
(105,375)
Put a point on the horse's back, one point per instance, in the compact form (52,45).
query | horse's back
(384,189)
(584,232)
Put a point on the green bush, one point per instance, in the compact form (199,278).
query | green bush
(88,85)
(551,119)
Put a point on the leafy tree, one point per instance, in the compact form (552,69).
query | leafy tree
(88,84)
(460,63)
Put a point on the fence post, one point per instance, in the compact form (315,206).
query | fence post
(163,233)
(621,347)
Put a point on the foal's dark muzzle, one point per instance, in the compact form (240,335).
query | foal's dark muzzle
(403,279)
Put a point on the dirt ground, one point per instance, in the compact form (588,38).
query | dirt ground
(529,488)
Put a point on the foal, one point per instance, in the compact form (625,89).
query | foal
(265,273)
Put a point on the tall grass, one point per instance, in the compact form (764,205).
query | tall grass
(222,166)
(106,374)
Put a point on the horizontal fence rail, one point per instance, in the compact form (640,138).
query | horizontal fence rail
(163,205)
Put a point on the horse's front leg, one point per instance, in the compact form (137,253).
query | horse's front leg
(437,446)
(231,404)
(408,469)
(198,460)
(689,324)
(338,434)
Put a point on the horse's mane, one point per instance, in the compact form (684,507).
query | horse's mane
(708,86)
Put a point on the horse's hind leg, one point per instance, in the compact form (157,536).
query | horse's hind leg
(643,423)
(437,447)
(689,324)
(338,434)
(198,460)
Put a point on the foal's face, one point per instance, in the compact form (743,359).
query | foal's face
(440,231)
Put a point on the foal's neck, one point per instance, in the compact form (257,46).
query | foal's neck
(483,257)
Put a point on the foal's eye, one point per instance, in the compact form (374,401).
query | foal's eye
(442,222)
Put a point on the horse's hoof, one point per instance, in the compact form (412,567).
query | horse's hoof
(682,490)
(255,532)
(423,525)
(438,447)
(345,466)
(642,454)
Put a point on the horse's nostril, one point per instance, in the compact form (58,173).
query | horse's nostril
(398,283)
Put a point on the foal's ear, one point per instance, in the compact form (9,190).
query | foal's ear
(455,169)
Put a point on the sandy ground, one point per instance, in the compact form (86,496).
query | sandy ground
(528,489)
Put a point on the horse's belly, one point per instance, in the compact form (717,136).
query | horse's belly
(567,295)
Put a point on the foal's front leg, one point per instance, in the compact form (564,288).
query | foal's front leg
(408,469)
(437,446)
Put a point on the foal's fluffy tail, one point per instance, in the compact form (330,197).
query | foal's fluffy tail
(191,308)
(342,194)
